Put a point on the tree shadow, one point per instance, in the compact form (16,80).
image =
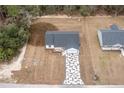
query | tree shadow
(37,33)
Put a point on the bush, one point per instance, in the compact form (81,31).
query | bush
(12,38)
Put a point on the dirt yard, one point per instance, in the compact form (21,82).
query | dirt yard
(41,66)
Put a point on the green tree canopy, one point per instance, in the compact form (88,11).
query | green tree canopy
(13,10)
(12,39)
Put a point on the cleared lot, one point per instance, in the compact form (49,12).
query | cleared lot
(43,66)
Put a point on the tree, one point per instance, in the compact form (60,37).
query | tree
(33,10)
(12,38)
(13,10)
(84,10)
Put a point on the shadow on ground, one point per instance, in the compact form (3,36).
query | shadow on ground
(37,33)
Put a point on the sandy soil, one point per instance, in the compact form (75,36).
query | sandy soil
(43,66)
(15,65)
(108,65)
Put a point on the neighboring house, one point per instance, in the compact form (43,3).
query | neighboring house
(61,40)
(112,39)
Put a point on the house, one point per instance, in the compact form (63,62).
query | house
(68,44)
(111,39)
(61,40)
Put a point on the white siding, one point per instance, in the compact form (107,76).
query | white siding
(100,37)
(110,48)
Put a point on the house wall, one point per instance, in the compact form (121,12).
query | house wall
(110,47)
(122,52)
(100,37)
(114,48)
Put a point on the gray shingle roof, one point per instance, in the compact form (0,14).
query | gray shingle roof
(62,39)
(111,36)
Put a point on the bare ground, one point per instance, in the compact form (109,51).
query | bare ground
(42,66)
